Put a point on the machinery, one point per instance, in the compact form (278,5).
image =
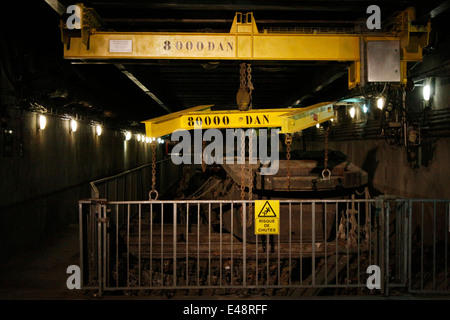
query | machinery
(373,58)
(224,183)
(309,174)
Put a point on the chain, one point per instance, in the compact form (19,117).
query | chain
(243,83)
(243,166)
(153,145)
(326,174)
(326,148)
(249,85)
(244,95)
(242,174)
(203,157)
(288,141)
(153,165)
(250,179)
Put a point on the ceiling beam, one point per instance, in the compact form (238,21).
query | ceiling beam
(431,9)
(218,21)
(57,6)
(130,76)
(330,77)
(440,9)
(322,5)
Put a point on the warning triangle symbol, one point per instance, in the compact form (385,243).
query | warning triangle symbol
(267,211)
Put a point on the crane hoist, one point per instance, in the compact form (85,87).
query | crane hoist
(372,57)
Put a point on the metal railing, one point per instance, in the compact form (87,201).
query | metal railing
(323,245)
(428,258)
(418,235)
(167,245)
(133,184)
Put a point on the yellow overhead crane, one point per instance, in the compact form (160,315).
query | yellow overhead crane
(290,120)
(245,42)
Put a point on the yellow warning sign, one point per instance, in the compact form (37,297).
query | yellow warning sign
(267,217)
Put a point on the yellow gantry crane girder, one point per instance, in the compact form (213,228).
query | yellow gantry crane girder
(289,120)
(244,42)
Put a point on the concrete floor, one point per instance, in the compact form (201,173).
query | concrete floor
(40,273)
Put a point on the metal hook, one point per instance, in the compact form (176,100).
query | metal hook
(326,174)
(150,195)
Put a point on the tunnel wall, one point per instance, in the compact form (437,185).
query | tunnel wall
(49,170)
(390,172)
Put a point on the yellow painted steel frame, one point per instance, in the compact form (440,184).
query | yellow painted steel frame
(302,118)
(244,42)
(216,46)
(290,120)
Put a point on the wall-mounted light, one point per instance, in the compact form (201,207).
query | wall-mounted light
(352,112)
(318,125)
(426,91)
(73,125)
(42,122)
(148,139)
(364,108)
(138,137)
(127,135)
(98,130)
(380,103)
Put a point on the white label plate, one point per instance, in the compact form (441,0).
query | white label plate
(120,45)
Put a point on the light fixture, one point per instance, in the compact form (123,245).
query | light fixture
(98,129)
(426,92)
(147,139)
(42,122)
(158,140)
(73,125)
(318,125)
(380,103)
(127,135)
(365,109)
(138,137)
(352,112)
(153,139)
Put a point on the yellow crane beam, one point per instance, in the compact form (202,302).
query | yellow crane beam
(289,120)
(243,42)
(216,46)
